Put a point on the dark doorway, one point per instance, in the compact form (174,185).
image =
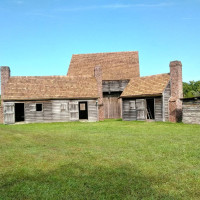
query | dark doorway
(19,112)
(150,109)
(83,110)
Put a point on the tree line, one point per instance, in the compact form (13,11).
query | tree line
(191,89)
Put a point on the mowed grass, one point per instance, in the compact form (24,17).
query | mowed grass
(104,160)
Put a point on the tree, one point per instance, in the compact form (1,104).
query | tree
(191,89)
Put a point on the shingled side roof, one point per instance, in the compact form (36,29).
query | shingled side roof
(115,66)
(50,87)
(146,86)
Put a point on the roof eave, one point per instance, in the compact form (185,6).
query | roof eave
(142,95)
(45,99)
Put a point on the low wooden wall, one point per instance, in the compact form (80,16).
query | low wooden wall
(55,111)
(131,111)
(191,111)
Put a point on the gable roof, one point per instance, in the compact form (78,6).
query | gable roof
(50,87)
(146,86)
(115,66)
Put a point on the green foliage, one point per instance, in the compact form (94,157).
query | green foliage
(104,160)
(191,89)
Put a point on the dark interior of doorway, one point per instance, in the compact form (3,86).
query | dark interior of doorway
(83,110)
(150,109)
(19,112)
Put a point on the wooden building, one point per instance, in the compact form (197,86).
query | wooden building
(94,83)
(191,110)
(147,98)
(93,89)
(117,69)
(154,97)
(50,99)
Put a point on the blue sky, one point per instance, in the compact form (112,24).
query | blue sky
(38,37)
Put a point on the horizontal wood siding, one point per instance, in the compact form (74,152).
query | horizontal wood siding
(92,111)
(166,97)
(73,110)
(114,86)
(58,111)
(158,109)
(38,116)
(59,114)
(127,113)
(191,111)
(136,109)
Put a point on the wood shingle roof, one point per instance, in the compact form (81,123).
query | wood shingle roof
(50,87)
(115,66)
(146,86)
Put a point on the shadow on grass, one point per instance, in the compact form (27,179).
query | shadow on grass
(81,182)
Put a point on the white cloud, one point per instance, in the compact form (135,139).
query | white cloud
(136,5)
(112,6)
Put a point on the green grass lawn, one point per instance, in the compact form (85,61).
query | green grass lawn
(104,160)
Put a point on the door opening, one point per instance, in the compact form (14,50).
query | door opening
(19,112)
(150,109)
(83,110)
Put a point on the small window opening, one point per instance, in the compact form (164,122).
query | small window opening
(150,109)
(82,106)
(38,107)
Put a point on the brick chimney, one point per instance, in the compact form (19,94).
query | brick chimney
(5,75)
(175,104)
(98,76)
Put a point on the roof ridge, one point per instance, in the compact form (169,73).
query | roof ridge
(106,52)
(58,76)
(154,75)
(38,76)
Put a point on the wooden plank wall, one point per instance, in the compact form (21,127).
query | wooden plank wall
(114,86)
(9,113)
(53,112)
(58,114)
(191,111)
(92,111)
(127,113)
(38,116)
(141,108)
(130,114)
(73,110)
(158,109)
(112,106)
(166,97)
(111,93)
